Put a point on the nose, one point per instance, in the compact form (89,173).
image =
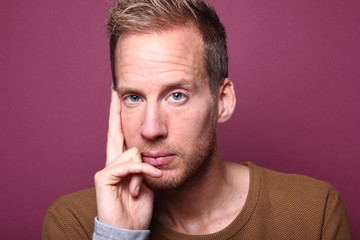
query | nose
(154,125)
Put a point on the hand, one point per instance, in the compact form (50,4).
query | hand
(123,200)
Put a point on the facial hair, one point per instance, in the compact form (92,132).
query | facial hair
(190,167)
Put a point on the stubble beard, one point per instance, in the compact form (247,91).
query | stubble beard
(194,165)
(194,168)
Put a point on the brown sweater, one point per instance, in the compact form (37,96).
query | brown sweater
(279,206)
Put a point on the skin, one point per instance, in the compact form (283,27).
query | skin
(166,97)
(161,140)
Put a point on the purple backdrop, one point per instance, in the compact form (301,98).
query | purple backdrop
(296,69)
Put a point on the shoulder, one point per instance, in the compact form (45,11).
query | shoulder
(81,199)
(305,206)
(71,216)
(292,183)
(294,194)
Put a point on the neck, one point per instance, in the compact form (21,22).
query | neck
(205,204)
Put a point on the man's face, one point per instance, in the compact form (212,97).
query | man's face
(167,108)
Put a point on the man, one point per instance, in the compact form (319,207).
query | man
(164,178)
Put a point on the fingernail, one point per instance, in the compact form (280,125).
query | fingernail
(137,190)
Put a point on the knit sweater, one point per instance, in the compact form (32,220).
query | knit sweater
(278,206)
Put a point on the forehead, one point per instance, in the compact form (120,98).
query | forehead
(176,51)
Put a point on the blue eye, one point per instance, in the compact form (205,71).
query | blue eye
(133,98)
(177,96)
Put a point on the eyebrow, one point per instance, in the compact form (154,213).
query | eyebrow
(183,83)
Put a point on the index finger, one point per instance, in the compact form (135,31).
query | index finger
(115,137)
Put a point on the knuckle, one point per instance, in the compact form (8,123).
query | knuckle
(109,135)
(98,176)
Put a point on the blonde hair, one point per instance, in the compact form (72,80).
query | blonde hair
(146,16)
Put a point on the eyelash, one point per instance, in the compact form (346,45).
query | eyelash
(128,98)
(133,98)
(179,94)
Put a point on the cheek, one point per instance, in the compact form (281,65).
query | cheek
(131,122)
(193,125)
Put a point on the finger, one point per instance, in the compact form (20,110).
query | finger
(135,184)
(133,155)
(114,174)
(115,141)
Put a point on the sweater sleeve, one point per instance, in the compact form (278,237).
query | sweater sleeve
(336,222)
(105,232)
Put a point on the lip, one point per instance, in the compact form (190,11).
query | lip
(157,158)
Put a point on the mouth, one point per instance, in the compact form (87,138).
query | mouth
(157,159)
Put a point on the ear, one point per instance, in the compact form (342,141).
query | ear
(226,101)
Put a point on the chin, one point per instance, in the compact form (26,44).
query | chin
(179,181)
(188,172)
(166,182)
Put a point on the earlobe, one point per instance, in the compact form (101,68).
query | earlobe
(226,101)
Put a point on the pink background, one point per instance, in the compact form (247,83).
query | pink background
(296,69)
